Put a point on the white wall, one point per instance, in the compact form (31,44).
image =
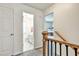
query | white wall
(66,20)
(38,22)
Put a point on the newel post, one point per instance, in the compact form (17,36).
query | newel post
(45,36)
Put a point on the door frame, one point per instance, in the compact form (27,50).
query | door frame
(33,26)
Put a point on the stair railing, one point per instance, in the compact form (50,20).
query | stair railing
(49,42)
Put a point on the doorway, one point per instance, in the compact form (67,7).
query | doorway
(28,31)
(48,25)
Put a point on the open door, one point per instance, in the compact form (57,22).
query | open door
(28,31)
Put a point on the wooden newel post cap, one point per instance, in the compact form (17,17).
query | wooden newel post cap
(45,35)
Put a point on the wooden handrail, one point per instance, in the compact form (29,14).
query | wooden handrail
(60,36)
(66,43)
(45,34)
(45,38)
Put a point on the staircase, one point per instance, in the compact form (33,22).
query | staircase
(50,45)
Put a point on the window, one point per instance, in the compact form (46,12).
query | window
(49,22)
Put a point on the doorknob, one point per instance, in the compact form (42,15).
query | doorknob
(12,34)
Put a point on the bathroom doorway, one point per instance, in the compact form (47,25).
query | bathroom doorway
(28,31)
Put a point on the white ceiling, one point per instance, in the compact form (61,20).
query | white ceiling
(40,6)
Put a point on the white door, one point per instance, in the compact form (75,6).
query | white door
(6,31)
